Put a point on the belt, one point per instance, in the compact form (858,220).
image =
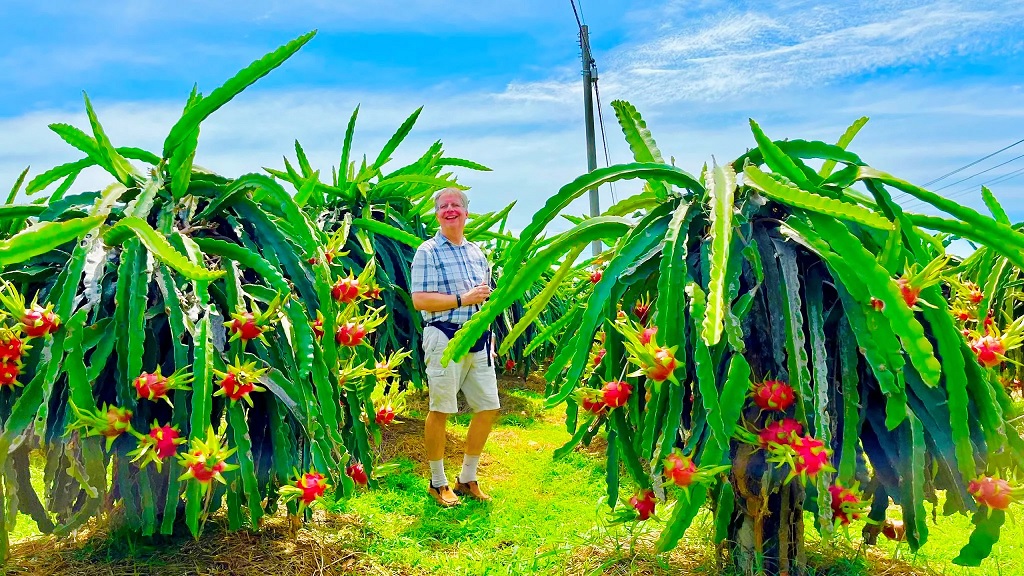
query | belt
(450,328)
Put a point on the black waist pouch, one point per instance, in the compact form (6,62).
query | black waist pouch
(450,328)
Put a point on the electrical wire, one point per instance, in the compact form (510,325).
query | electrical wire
(966,166)
(971,188)
(577,14)
(902,196)
(604,136)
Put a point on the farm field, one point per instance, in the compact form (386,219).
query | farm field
(751,365)
(544,521)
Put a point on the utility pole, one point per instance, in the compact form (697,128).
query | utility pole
(589,76)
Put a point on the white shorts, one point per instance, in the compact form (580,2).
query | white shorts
(472,376)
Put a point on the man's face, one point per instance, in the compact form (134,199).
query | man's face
(451,213)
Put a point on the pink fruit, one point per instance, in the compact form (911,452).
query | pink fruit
(846,504)
(9,372)
(39,321)
(246,327)
(313,486)
(783,432)
(811,456)
(350,334)
(648,334)
(385,416)
(679,470)
(510,365)
(989,350)
(345,290)
(995,493)
(773,395)
(118,421)
(165,440)
(357,473)
(151,386)
(593,406)
(11,347)
(616,393)
(664,365)
(235,388)
(595,276)
(644,503)
(641,310)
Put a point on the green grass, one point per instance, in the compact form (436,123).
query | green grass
(546,518)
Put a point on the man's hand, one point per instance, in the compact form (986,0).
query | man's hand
(476,295)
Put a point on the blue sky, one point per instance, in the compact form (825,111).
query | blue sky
(943,83)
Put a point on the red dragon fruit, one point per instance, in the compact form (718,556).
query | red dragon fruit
(679,470)
(357,473)
(151,386)
(663,367)
(595,276)
(847,503)
(974,293)
(313,485)
(994,493)
(204,461)
(989,350)
(593,406)
(877,304)
(345,290)
(810,457)
(773,395)
(9,372)
(244,326)
(783,432)
(161,443)
(239,381)
(510,366)
(39,321)
(909,292)
(350,334)
(644,503)
(385,416)
(11,346)
(616,393)
(597,357)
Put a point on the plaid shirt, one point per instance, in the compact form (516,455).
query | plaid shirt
(440,266)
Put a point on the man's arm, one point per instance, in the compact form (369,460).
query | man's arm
(438,302)
(433,301)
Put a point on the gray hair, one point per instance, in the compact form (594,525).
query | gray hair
(451,190)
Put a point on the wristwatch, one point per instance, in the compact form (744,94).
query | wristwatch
(458,301)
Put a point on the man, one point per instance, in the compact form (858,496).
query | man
(450,280)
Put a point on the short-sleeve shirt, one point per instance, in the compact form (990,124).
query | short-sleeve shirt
(440,266)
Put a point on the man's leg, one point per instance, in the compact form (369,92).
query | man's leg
(481,390)
(442,388)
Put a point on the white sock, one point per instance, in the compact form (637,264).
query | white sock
(469,464)
(437,477)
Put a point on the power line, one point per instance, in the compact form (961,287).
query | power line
(577,14)
(902,196)
(962,168)
(972,187)
(962,180)
(604,136)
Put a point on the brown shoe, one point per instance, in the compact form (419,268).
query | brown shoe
(471,489)
(444,496)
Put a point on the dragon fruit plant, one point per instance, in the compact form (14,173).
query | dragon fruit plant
(178,318)
(806,325)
